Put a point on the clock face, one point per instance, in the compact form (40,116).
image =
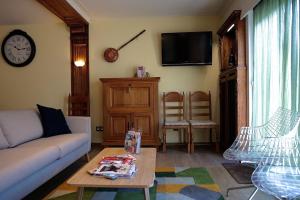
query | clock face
(18,49)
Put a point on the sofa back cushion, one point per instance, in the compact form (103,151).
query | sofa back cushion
(53,121)
(3,141)
(20,126)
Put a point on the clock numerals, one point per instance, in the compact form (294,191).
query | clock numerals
(13,58)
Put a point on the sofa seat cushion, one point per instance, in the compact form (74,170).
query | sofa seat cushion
(66,143)
(20,126)
(18,163)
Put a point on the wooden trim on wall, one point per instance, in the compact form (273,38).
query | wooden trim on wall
(79,45)
(79,50)
(232,19)
(63,10)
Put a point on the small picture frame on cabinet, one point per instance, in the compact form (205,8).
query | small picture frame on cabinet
(140,71)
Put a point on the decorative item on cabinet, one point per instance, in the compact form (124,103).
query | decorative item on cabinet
(132,101)
(140,71)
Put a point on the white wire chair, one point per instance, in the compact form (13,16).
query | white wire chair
(278,172)
(252,142)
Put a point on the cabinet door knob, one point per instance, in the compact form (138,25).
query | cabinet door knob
(129,85)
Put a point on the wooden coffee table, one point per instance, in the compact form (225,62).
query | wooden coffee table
(144,177)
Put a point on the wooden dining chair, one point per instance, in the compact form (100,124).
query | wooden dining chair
(200,115)
(78,105)
(174,116)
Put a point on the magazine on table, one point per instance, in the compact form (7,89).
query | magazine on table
(119,159)
(115,166)
(133,141)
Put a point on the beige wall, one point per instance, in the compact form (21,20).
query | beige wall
(46,80)
(146,51)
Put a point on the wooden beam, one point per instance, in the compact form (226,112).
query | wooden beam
(63,10)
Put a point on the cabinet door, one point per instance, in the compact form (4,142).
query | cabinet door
(118,125)
(128,96)
(144,122)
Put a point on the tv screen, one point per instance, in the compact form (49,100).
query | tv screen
(186,48)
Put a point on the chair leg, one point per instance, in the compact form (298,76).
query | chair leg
(181,136)
(238,188)
(186,139)
(189,139)
(217,144)
(217,147)
(164,140)
(210,136)
(253,194)
(192,141)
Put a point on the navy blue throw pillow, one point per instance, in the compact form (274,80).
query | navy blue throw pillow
(53,121)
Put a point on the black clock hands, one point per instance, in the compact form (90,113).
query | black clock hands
(17,48)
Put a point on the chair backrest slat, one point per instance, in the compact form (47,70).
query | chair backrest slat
(174,115)
(200,105)
(173,105)
(200,114)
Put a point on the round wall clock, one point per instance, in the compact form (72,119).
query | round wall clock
(18,48)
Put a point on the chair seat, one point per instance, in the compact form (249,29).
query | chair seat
(282,182)
(176,123)
(195,122)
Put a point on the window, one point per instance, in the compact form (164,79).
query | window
(275,72)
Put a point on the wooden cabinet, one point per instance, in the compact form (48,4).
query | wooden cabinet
(233,79)
(130,102)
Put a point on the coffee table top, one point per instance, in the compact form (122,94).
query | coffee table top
(144,177)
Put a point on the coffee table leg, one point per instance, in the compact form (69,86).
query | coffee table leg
(147,194)
(80,193)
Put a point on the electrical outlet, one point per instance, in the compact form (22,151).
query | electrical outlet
(99,128)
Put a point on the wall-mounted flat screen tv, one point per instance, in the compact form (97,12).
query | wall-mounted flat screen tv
(186,48)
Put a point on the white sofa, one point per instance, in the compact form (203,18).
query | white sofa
(27,160)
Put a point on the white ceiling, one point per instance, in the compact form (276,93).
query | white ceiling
(30,11)
(24,12)
(128,8)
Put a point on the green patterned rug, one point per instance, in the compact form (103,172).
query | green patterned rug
(176,183)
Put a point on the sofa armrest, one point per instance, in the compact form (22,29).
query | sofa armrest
(79,124)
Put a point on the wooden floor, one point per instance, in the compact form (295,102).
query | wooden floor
(175,156)
(204,157)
